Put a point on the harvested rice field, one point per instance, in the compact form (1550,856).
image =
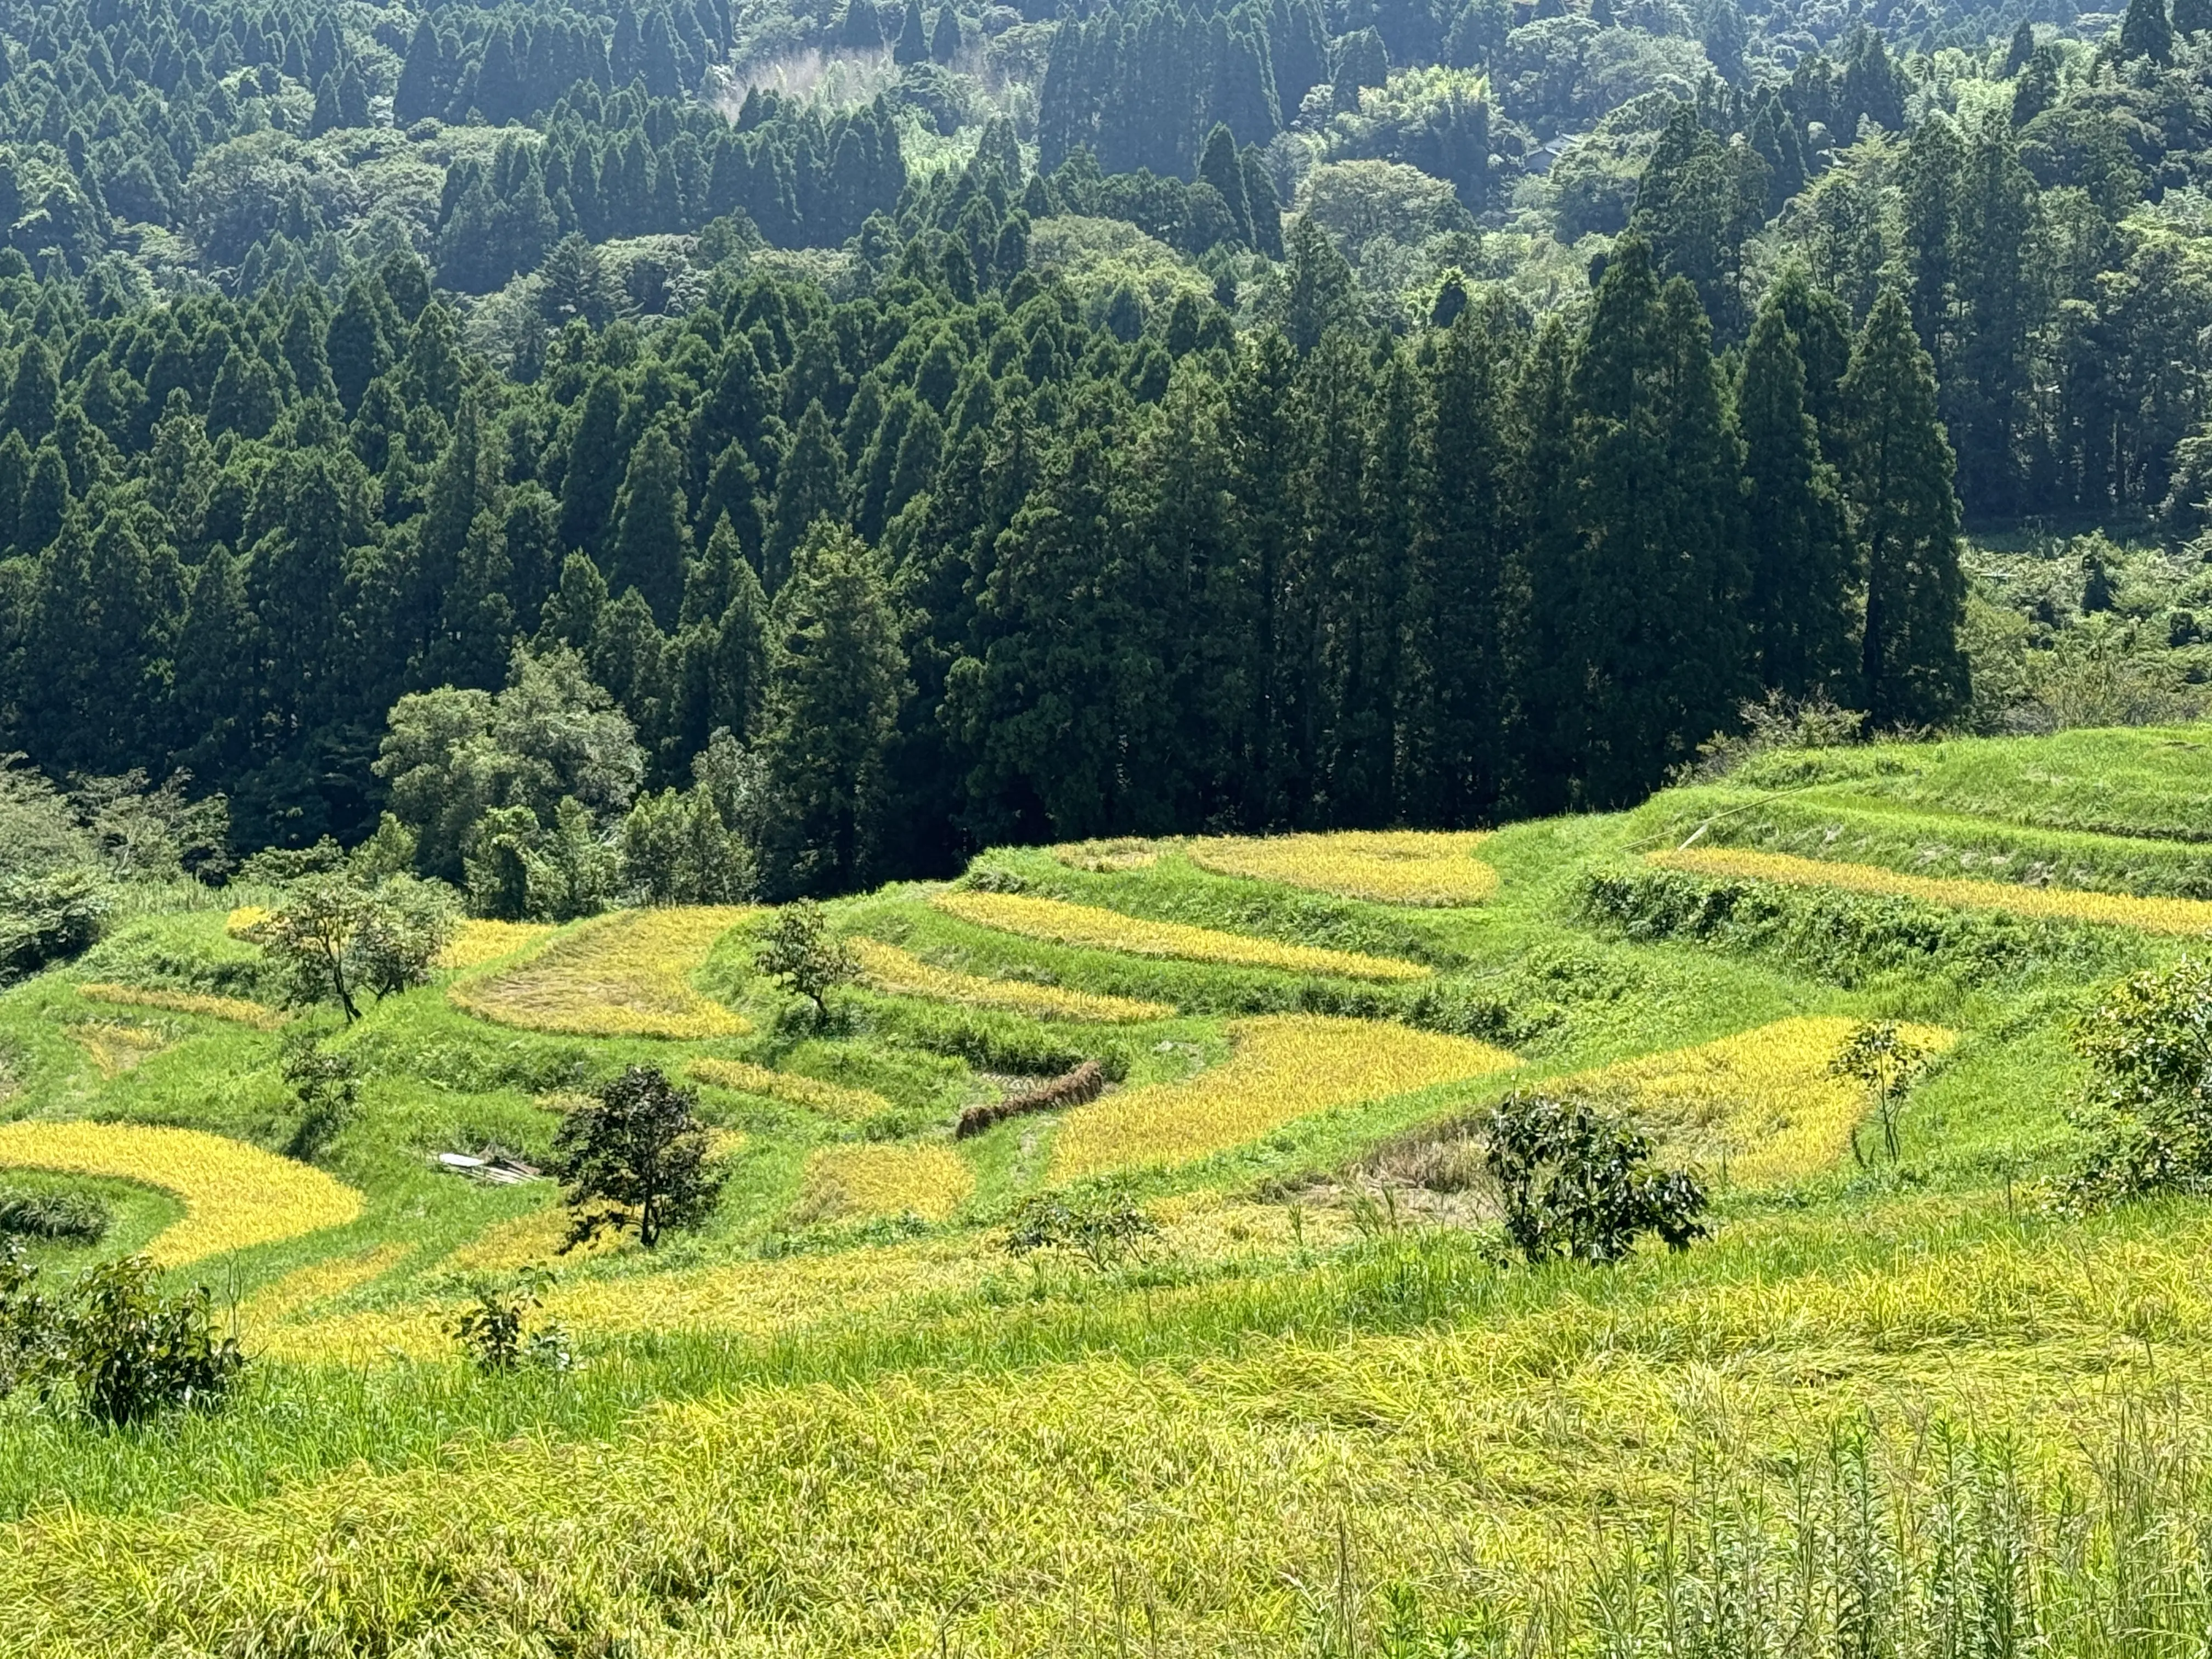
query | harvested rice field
(1229,1350)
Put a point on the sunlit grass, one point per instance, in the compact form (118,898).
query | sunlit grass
(835,1099)
(889,969)
(237,1010)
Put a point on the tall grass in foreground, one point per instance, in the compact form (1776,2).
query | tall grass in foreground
(1940,1545)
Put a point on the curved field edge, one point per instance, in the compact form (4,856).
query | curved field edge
(235,1196)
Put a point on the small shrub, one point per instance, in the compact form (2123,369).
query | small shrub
(802,954)
(1886,1064)
(1580,1184)
(78,1218)
(124,1350)
(1102,1225)
(48,919)
(494,1333)
(27,1320)
(635,1155)
(2148,1044)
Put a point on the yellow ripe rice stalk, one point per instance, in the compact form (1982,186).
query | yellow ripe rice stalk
(1389,866)
(116,1046)
(1062,923)
(833,1098)
(857,1182)
(244,919)
(235,1196)
(890,968)
(478,941)
(304,1288)
(1109,857)
(1283,1067)
(749,1297)
(532,1240)
(2149,915)
(623,974)
(237,1010)
(1760,1104)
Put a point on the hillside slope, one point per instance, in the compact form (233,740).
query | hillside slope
(1316,1411)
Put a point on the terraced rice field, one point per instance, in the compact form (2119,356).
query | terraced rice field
(1283,1067)
(623,974)
(1061,923)
(1388,866)
(2180,917)
(1762,1105)
(855,1182)
(239,1011)
(235,1196)
(834,1099)
(890,969)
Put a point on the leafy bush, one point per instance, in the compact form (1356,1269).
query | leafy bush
(1886,1064)
(327,1084)
(114,1348)
(1102,1225)
(2149,1047)
(1578,1183)
(802,954)
(494,1334)
(78,1216)
(48,919)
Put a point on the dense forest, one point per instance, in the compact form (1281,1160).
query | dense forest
(866,435)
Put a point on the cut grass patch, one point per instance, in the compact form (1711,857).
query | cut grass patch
(235,1196)
(1063,923)
(1432,867)
(623,974)
(116,1045)
(899,973)
(1283,1067)
(2148,915)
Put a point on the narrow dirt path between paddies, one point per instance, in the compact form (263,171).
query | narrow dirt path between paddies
(627,974)
(235,1195)
(1283,1067)
(1059,922)
(1429,867)
(2148,915)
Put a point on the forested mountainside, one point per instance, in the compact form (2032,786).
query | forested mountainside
(1008,425)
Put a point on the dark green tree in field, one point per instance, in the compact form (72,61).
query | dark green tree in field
(636,1155)
(652,542)
(1898,478)
(837,678)
(809,488)
(1803,565)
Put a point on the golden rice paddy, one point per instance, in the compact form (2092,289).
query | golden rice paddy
(237,1010)
(1389,866)
(478,941)
(235,1196)
(531,1240)
(2149,915)
(1283,1067)
(898,972)
(835,1099)
(116,1045)
(861,1182)
(623,974)
(241,921)
(304,1289)
(1761,1104)
(1111,856)
(1062,923)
